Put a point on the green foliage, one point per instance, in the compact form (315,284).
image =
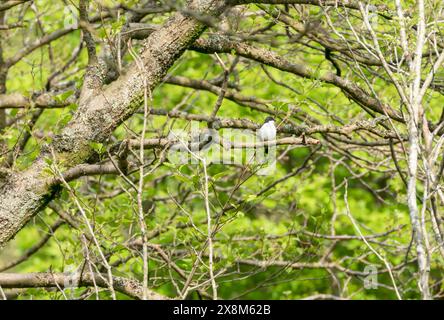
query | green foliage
(255,219)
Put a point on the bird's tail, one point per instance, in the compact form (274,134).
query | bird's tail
(266,149)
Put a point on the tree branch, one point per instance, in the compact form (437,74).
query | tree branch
(129,287)
(27,192)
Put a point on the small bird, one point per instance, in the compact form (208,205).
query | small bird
(268,131)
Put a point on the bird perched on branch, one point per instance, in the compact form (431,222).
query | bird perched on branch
(267,132)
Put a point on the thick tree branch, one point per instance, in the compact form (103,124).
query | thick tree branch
(336,3)
(222,44)
(10,4)
(129,287)
(26,193)
(45,100)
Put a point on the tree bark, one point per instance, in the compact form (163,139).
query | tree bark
(3,72)
(129,287)
(24,194)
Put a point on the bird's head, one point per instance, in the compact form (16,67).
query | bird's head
(268,119)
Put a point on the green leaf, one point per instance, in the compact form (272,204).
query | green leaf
(169,165)
(220,175)
(97,147)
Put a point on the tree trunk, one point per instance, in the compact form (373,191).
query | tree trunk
(24,194)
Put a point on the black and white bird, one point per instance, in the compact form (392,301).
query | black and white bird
(267,132)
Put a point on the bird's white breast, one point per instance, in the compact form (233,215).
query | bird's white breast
(267,131)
